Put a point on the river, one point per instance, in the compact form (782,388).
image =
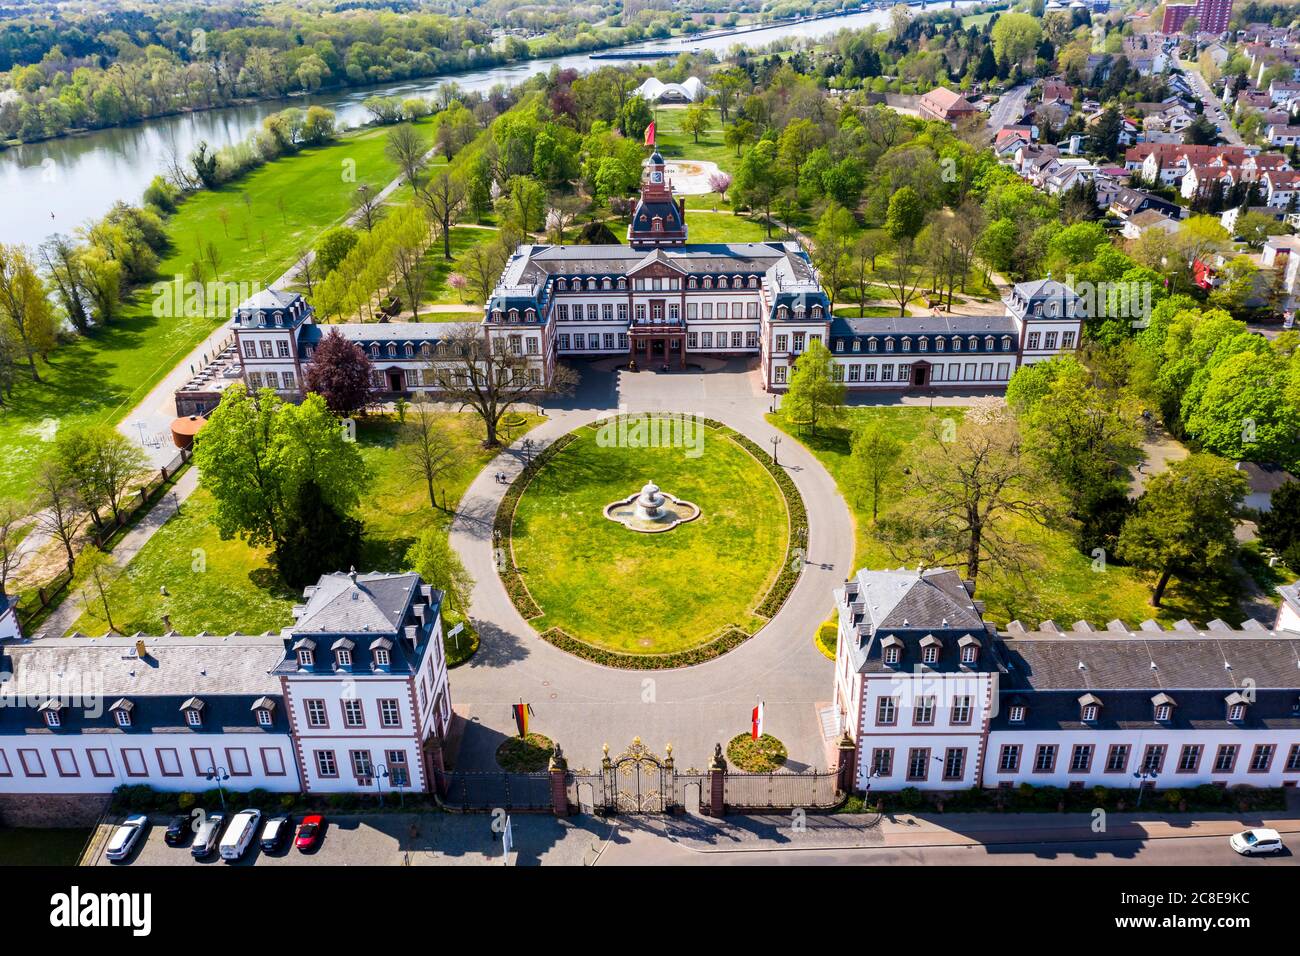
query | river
(60,184)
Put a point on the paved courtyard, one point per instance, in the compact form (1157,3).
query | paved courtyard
(582,705)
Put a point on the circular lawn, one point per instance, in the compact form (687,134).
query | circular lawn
(631,593)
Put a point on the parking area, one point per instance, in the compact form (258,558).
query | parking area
(392,839)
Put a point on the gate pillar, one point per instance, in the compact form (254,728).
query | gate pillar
(717,777)
(559,768)
(845,768)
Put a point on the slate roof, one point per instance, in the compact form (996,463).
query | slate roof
(1134,710)
(350,603)
(924,325)
(89,674)
(365,332)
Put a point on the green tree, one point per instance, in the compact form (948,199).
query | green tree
(101,463)
(25,314)
(1184,522)
(256,452)
(1016,36)
(814,396)
(696,121)
(873,458)
(333,248)
(759,180)
(834,242)
(1244,410)
(1279,527)
(906,214)
(434,560)
(318,539)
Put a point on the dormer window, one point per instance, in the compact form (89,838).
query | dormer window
(1089,708)
(938,345)
(1236,707)
(930,649)
(343,657)
(263,709)
(892,650)
(306,658)
(1162,707)
(121,710)
(956,345)
(1016,713)
(382,657)
(51,711)
(562,284)
(970,649)
(193,711)
(889,345)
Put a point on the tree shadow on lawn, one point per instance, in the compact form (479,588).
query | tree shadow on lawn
(497,647)
(267,579)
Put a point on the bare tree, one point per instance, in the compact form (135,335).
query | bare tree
(307,270)
(492,379)
(408,260)
(367,207)
(11,517)
(427,453)
(406,150)
(60,511)
(901,275)
(444,196)
(562,215)
(483,263)
(970,490)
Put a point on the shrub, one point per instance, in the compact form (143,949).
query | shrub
(185,801)
(910,798)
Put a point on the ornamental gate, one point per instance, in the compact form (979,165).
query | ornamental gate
(638,780)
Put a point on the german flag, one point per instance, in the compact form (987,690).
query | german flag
(522,712)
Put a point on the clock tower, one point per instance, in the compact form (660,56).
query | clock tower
(659,219)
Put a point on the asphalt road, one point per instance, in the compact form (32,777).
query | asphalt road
(642,848)
(1009,108)
(1214,111)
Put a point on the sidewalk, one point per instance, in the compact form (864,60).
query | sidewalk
(851,831)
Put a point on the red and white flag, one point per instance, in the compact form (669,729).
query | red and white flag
(650,134)
(756,720)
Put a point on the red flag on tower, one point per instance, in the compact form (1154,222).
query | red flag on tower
(756,720)
(650,134)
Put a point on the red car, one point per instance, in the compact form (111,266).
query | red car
(309,833)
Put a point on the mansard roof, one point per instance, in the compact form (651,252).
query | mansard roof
(363,333)
(351,603)
(923,325)
(1134,710)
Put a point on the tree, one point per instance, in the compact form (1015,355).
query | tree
(906,214)
(11,526)
(834,242)
(696,122)
(863,265)
(634,117)
(439,566)
(59,256)
(60,511)
(340,373)
(760,179)
(1184,522)
(24,308)
(256,452)
(972,487)
(317,126)
(334,247)
(205,165)
(901,275)
(407,151)
(527,203)
(426,450)
(1016,36)
(1279,527)
(874,455)
(367,207)
(101,463)
(491,380)
(1244,410)
(317,539)
(814,395)
(444,197)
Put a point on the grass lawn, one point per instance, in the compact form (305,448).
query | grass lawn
(705,226)
(649,593)
(235,587)
(520,755)
(1066,590)
(41,847)
(271,214)
(673,143)
(436,290)
(764,755)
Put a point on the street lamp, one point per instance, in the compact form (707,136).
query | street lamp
(1142,776)
(219,774)
(776,440)
(381,773)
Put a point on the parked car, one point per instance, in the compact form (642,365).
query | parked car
(126,836)
(274,833)
(207,835)
(178,830)
(240,834)
(1257,842)
(309,834)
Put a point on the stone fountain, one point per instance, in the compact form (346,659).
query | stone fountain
(651,510)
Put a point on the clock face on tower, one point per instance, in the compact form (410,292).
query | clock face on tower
(656,177)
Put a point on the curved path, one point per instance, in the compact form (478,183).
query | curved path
(582,705)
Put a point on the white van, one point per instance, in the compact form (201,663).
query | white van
(240,833)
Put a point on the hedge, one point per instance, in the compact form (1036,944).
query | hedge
(1030,799)
(730,638)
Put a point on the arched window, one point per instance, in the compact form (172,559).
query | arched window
(514,315)
(424,349)
(907,344)
(622,282)
(392,350)
(708,282)
(988,343)
(816,311)
(723,283)
(783,312)
(691,283)
(374,350)
(496,315)
(974,343)
(531,314)
(956,344)
(410,350)
(889,345)
(753,282)
(591,284)
(279,320)
(872,345)
(562,284)
(938,345)
(604,283)
(922,345)
(1006,343)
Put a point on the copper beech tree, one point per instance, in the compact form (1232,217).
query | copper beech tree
(491,379)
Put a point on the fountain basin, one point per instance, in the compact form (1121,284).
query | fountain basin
(651,510)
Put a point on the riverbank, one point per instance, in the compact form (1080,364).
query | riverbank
(255,226)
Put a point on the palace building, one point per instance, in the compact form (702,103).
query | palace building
(934,697)
(353,696)
(658,301)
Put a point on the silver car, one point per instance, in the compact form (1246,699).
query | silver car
(126,836)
